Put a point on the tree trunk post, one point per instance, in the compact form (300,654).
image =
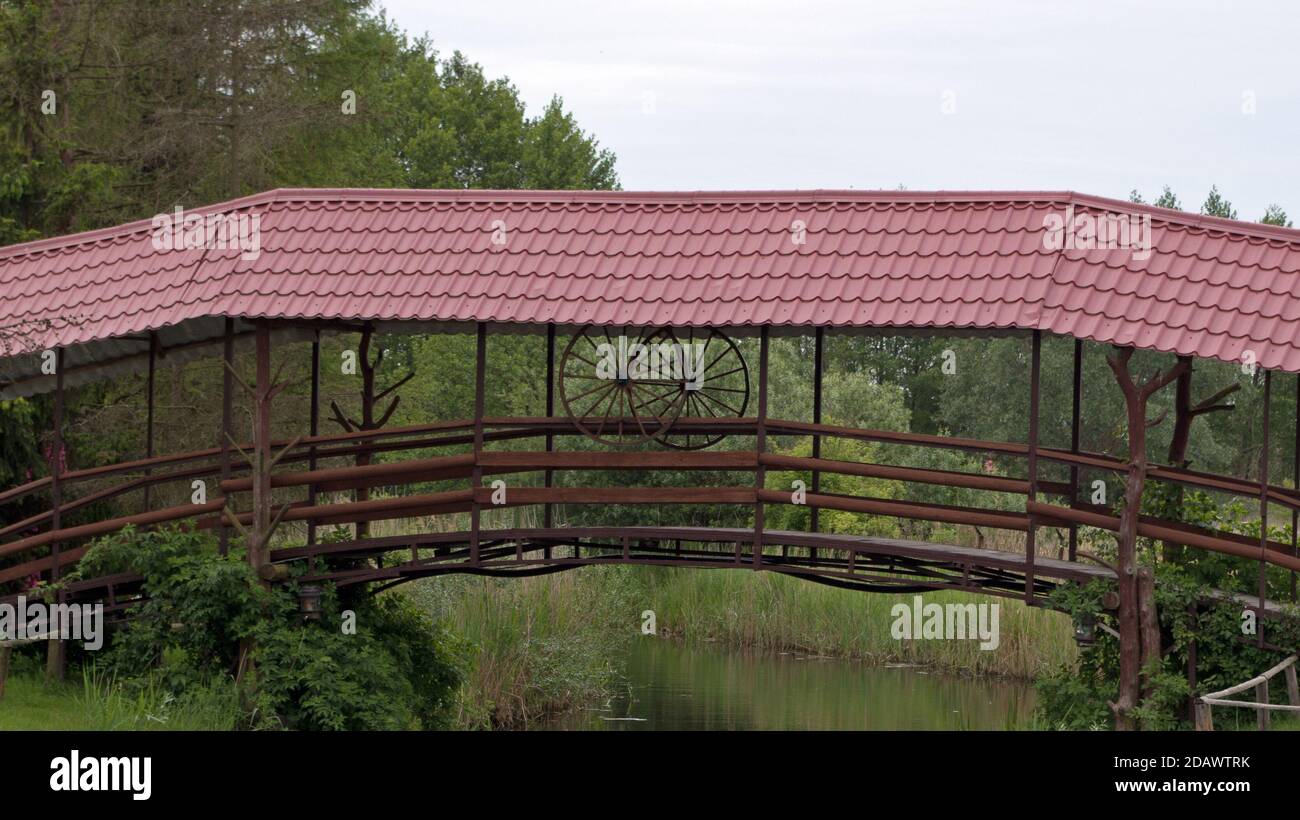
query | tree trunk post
(1149,619)
(1130,639)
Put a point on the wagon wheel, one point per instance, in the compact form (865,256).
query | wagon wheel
(621,411)
(720,391)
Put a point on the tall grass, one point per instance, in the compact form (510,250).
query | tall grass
(769,612)
(544,645)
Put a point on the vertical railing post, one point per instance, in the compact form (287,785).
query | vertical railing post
(813,515)
(1030,535)
(149,414)
(227,418)
(1262,584)
(548,514)
(1075,408)
(1295,466)
(760,445)
(259,536)
(56,659)
(314,431)
(480,369)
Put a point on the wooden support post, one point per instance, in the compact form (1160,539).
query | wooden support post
(259,548)
(760,444)
(548,513)
(56,659)
(1031,543)
(227,417)
(1149,619)
(1262,583)
(814,518)
(1075,408)
(5,653)
(1261,696)
(314,431)
(1191,665)
(1295,478)
(1136,397)
(480,376)
(1204,717)
(149,414)
(1292,690)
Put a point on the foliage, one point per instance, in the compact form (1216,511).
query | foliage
(1076,695)
(398,670)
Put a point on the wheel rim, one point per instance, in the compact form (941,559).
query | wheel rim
(618,412)
(722,389)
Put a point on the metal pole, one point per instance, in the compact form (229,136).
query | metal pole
(1074,441)
(315,431)
(227,417)
(1030,535)
(56,659)
(760,444)
(813,517)
(480,368)
(148,428)
(549,519)
(1263,506)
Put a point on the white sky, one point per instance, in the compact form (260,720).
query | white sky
(1099,97)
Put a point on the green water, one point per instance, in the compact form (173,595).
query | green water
(675,687)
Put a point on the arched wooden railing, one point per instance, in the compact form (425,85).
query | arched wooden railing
(23,541)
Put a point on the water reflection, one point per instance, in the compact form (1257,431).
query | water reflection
(675,687)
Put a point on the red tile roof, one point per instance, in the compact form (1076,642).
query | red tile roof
(1210,287)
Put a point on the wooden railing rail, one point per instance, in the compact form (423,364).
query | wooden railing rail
(1204,718)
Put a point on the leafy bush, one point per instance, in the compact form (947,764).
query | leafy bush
(395,669)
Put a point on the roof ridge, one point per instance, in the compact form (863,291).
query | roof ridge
(774,197)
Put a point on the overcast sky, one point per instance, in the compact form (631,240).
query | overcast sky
(1099,97)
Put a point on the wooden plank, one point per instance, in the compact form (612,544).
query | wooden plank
(371,475)
(1164,531)
(111,525)
(946,478)
(596,460)
(908,509)
(620,495)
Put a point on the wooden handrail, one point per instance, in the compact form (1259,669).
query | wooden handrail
(1181,534)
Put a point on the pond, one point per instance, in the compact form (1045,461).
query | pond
(670,686)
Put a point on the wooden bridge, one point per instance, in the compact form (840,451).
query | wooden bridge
(685,274)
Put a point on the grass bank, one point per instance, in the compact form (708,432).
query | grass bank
(88,702)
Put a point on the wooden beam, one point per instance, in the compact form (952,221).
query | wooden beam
(476,483)
(227,416)
(1031,540)
(760,446)
(818,342)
